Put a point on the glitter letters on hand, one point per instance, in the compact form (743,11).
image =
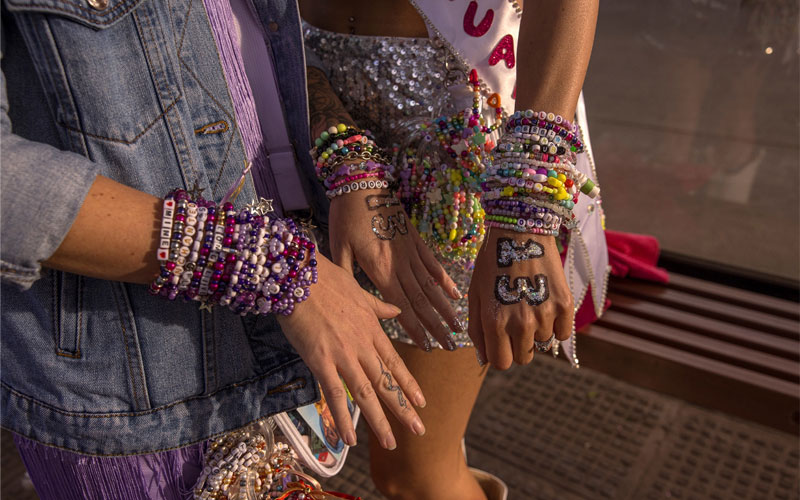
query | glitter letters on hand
(376,201)
(509,251)
(387,228)
(523,288)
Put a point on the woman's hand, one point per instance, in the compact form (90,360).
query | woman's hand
(372,228)
(518,294)
(336,332)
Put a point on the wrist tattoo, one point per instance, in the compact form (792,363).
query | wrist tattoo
(393,387)
(376,201)
(387,228)
(509,251)
(324,106)
(534,292)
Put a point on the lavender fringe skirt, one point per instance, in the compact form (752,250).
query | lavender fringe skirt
(63,475)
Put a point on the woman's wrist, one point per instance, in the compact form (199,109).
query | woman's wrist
(532,185)
(245,260)
(348,160)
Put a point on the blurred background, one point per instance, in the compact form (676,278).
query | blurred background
(693,112)
(687,389)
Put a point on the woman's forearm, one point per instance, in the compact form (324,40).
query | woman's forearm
(325,108)
(114,237)
(554,46)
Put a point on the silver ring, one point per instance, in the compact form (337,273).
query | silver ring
(546,345)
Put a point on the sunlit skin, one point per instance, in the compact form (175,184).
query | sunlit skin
(552,56)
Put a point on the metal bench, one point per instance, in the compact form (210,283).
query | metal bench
(721,347)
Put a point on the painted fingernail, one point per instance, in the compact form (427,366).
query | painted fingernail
(419,429)
(350,438)
(481,361)
(449,344)
(419,400)
(459,325)
(389,443)
(427,345)
(457,293)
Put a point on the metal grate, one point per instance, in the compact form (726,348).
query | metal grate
(577,431)
(712,456)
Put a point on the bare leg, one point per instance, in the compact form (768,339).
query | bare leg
(432,466)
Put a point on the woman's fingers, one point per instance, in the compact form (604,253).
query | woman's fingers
(336,396)
(435,296)
(520,329)
(498,343)
(372,379)
(407,317)
(564,321)
(396,366)
(383,310)
(422,308)
(474,327)
(436,270)
(394,398)
(365,395)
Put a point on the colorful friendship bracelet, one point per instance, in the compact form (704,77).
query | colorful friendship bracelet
(440,187)
(244,260)
(340,143)
(534,167)
(348,160)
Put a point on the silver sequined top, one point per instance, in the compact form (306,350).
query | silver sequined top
(388,84)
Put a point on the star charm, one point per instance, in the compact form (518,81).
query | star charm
(262,207)
(460,146)
(196,192)
(205,306)
(308,228)
(434,195)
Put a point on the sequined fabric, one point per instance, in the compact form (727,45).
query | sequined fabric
(388,84)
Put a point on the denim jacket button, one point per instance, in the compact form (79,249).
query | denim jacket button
(98,4)
(273,26)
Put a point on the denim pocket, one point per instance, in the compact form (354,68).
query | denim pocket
(106,72)
(68,313)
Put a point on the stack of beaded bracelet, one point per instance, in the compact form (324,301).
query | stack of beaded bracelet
(531,183)
(246,463)
(550,132)
(348,160)
(440,186)
(244,259)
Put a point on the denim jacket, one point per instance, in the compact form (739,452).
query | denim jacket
(133,90)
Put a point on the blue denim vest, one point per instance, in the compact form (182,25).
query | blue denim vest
(133,91)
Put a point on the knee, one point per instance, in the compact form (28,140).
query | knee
(392,484)
(397,482)
(403,484)
(414,483)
